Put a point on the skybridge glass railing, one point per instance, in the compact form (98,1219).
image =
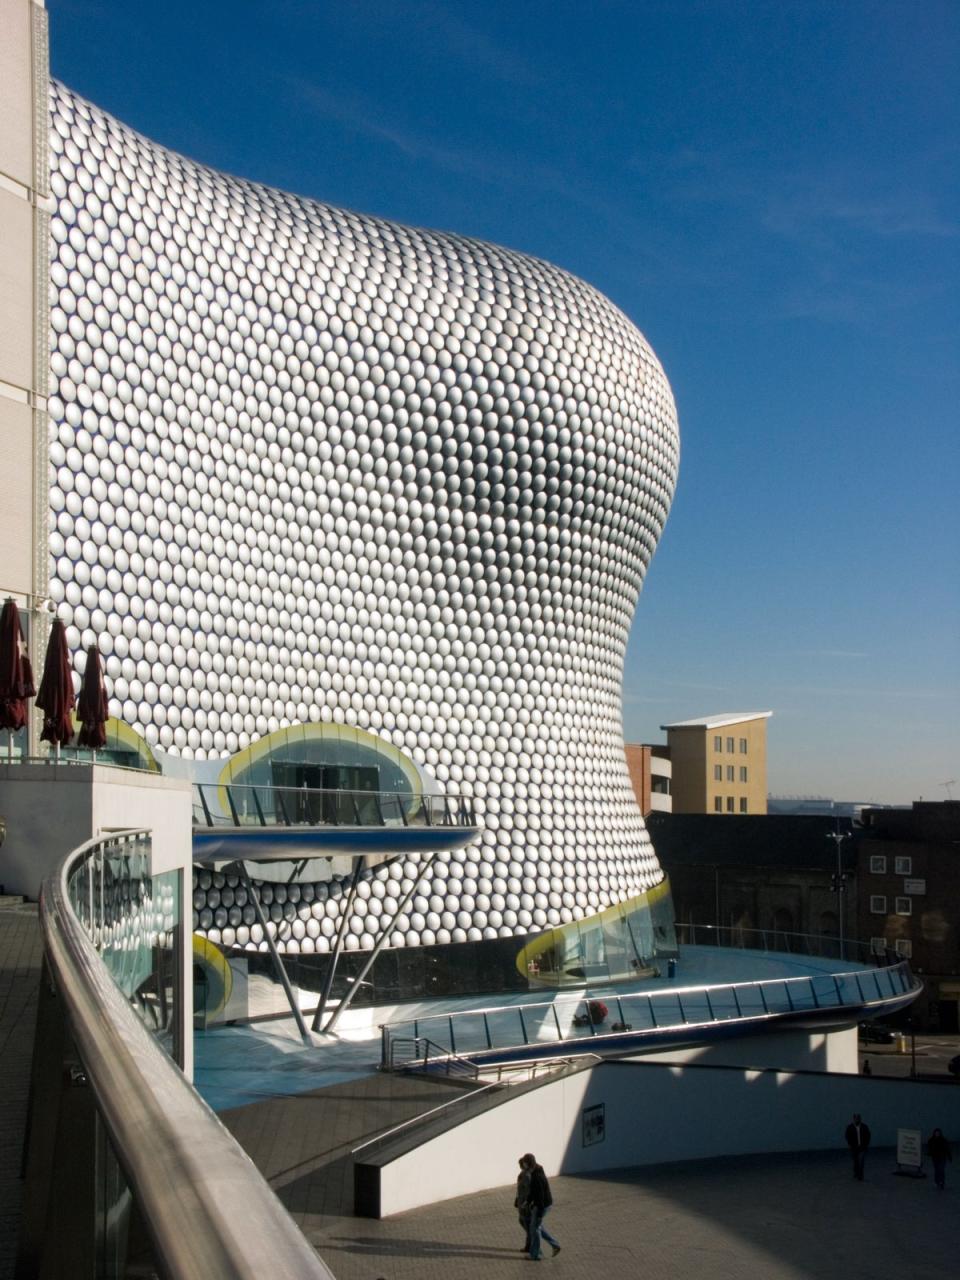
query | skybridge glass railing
(247,805)
(595,1019)
(802,944)
(175,1193)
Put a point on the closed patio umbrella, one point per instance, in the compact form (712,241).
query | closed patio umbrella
(92,705)
(55,697)
(16,677)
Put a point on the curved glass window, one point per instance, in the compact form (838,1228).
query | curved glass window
(124,747)
(625,941)
(325,773)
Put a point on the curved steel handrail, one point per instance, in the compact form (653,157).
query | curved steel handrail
(207,1207)
(853,946)
(655,999)
(582,995)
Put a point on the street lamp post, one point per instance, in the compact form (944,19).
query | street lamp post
(839,878)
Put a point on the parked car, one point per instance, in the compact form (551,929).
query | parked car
(876,1033)
(953,1066)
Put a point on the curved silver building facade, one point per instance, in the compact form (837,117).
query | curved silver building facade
(310,466)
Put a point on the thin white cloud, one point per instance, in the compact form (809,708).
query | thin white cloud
(828,653)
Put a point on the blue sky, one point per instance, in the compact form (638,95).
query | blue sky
(771,191)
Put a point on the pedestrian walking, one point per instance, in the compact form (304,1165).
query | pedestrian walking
(522,1203)
(540,1201)
(938,1149)
(857,1135)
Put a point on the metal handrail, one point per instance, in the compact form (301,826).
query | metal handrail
(462,1100)
(316,806)
(207,1207)
(454,1063)
(690,934)
(654,998)
(65,761)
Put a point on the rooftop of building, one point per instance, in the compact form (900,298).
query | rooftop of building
(720,721)
(755,840)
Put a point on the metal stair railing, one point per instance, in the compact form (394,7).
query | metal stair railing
(419,1058)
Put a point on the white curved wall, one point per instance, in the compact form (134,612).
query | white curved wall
(309,465)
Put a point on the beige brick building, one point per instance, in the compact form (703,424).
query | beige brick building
(719,763)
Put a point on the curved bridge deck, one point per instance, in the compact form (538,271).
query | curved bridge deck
(615,1023)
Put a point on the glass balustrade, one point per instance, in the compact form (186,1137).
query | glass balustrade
(248,805)
(133,919)
(596,1016)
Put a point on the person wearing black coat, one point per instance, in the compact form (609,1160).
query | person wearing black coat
(522,1204)
(539,1201)
(857,1135)
(938,1149)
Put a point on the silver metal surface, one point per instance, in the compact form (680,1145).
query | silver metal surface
(311,467)
(210,1213)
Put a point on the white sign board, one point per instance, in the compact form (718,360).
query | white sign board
(915,886)
(909,1148)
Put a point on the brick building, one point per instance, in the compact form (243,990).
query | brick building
(909,896)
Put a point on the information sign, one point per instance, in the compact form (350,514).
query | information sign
(909,1148)
(594,1125)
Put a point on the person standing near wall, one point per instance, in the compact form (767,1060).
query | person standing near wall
(857,1135)
(540,1201)
(938,1149)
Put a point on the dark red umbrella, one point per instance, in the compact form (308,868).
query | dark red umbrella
(92,705)
(16,677)
(55,697)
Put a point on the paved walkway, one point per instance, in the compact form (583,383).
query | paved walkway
(773,1218)
(302,1143)
(21,952)
(761,1218)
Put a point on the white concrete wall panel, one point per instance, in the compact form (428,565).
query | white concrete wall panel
(310,465)
(16,459)
(16,92)
(16,290)
(655,1114)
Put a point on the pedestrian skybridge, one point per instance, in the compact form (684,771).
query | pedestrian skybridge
(265,822)
(600,1022)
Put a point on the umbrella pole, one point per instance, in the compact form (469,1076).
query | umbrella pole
(57,753)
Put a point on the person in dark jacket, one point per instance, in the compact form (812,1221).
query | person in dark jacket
(938,1149)
(522,1203)
(857,1135)
(539,1202)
